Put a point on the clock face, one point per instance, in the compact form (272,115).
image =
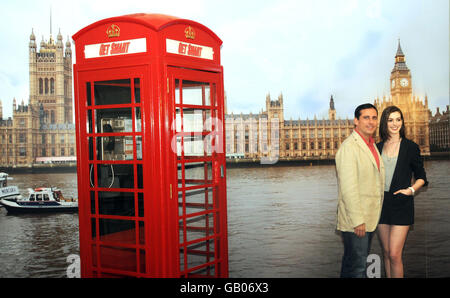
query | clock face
(393,83)
(404,82)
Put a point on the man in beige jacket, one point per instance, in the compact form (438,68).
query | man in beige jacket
(360,174)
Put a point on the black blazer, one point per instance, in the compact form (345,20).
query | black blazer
(409,161)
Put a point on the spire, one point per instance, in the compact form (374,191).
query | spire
(50,20)
(332,110)
(331,103)
(32,36)
(399,50)
(400,59)
(32,44)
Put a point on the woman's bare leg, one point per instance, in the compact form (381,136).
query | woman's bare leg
(383,235)
(397,239)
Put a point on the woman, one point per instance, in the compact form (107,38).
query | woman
(401,158)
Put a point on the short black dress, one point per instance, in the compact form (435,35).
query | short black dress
(399,209)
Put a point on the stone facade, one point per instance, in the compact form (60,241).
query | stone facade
(43,130)
(268,134)
(440,131)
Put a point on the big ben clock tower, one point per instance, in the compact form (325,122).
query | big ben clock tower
(415,111)
(401,89)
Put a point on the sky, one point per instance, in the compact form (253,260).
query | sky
(306,50)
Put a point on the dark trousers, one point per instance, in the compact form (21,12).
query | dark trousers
(356,250)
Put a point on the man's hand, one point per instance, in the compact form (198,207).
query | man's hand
(360,230)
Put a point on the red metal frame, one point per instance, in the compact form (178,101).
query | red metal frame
(142,237)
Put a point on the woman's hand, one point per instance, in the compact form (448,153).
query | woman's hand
(406,192)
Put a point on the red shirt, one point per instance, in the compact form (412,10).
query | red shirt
(371,145)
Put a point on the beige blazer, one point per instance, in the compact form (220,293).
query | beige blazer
(360,184)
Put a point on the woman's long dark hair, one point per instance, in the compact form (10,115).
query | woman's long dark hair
(384,133)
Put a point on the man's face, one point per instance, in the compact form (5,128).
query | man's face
(367,122)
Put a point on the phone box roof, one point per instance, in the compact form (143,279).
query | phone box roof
(156,22)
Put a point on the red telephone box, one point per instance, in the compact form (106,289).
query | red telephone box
(149,106)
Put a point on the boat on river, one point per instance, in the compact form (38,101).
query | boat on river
(8,192)
(40,200)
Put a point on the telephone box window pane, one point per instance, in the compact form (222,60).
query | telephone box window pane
(198,200)
(196,93)
(91,175)
(113,120)
(137,90)
(177,91)
(93,228)
(141,233)
(199,227)
(193,146)
(198,173)
(179,147)
(91,148)
(138,119)
(204,271)
(197,146)
(196,120)
(116,203)
(115,148)
(94,255)
(181,224)
(180,175)
(199,254)
(89,121)
(88,93)
(117,230)
(140,176)
(142,261)
(139,148)
(119,258)
(178,120)
(115,176)
(92,202)
(140,204)
(112,92)
(214,100)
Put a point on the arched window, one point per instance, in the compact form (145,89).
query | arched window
(41,86)
(52,86)
(46,86)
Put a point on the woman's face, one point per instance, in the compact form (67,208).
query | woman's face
(394,123)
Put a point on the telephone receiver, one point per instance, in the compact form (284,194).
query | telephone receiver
(110,141)
(104,175)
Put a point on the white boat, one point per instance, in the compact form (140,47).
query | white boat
(8,192)
(41,199)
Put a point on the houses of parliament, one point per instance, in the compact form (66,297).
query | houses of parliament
(252,136)
(43,131)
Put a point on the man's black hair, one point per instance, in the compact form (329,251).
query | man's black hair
(363,107)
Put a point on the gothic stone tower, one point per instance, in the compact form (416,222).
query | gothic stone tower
(51,79)
(274,108)
(332,110)
(415,111)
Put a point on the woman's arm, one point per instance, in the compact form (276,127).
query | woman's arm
(416,186)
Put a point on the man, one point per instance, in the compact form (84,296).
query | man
(360,174)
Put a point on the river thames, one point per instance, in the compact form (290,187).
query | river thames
(281,223)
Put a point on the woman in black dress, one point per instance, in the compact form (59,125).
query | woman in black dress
(402,160)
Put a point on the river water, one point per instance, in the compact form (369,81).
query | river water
(281,223)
